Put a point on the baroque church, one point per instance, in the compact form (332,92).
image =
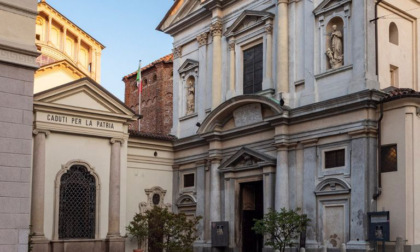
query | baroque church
(272,104)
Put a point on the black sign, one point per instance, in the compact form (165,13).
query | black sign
(220,234)
(378,226)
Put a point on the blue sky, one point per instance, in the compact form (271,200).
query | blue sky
(126,28)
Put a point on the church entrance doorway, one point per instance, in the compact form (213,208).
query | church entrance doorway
(251,207)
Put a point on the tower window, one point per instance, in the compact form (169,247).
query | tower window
(253,69)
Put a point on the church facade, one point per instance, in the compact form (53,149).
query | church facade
(288,104)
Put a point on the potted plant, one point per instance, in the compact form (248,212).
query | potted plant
(138,229)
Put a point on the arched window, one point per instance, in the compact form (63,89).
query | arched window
(77,204)
(393,33)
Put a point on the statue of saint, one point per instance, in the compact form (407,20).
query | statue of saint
(335,53)
(190,97)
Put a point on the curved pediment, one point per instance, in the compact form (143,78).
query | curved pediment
(186,200)
(247,21)
(332,186)
(246,159)
(232,109)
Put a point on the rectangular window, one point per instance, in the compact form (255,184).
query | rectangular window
(253,69)
(189,180)
(335,158)
(389,158)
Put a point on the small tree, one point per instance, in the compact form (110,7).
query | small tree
(281,227)
(138,228)
(171,232)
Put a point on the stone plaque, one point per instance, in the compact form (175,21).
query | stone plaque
(248,114)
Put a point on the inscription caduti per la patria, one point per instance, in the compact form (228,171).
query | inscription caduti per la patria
(78,121)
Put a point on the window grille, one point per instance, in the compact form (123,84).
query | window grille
(189,180)
(253,69)
(77,204)
(335,158)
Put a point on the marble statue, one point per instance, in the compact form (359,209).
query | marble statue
(190,97)
(335,52)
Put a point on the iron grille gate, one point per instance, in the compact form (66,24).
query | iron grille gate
(77,204)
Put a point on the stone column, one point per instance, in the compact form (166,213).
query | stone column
(77,51)
(232,68)
(268,78)
(201,197)
(282,178)
(49,30)
(268,182)
(40,243)
(114,241)
(309,199)
(216,32)
(282,47)
(215,189)
(201,92)
(63,39)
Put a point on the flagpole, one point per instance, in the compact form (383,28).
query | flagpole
(139,87)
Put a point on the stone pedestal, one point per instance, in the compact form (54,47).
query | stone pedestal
(115,244)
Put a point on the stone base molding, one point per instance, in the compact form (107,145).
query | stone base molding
(115,244)
(40,245)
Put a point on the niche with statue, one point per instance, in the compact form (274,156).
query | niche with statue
(334,34)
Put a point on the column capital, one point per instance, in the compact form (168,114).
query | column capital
(282,1)
(285,146)
(268,27)
(39,131)
(116,140)
(202,39)
(177,51)
(232,44)
(216,28)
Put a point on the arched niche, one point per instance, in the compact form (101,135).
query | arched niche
(190,95)
(393,34)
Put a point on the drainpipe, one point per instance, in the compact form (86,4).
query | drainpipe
(379,164)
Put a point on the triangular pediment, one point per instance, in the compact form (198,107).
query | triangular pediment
(246,159)
(83,95)
(188,65)
(181,10)
(328,5)
(248,20)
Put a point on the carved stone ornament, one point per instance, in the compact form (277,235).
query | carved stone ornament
(177,51)
(202,39)
(155,197)
(216,28)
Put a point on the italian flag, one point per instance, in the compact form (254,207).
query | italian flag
(138,79)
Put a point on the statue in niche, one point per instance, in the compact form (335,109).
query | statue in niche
(335,52)
(190,97)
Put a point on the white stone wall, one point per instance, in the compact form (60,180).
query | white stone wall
(16,87)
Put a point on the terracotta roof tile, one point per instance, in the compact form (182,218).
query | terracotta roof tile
(165,59)
(136,133)
(397,93)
